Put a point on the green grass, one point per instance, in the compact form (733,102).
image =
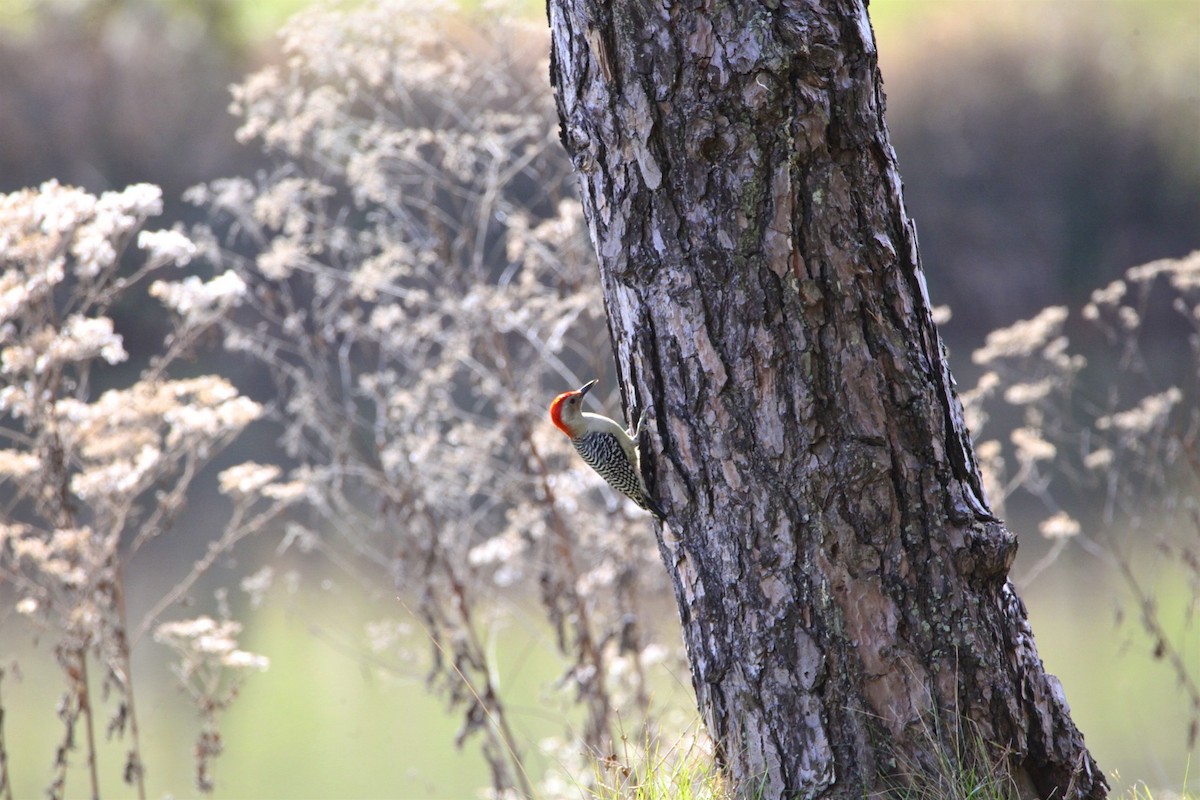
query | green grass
(968,770)
(683,771)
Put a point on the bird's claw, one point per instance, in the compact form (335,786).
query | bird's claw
(641,424)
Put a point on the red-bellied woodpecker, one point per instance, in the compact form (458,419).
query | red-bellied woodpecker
(605,446)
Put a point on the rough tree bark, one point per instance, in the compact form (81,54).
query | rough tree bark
(841,580)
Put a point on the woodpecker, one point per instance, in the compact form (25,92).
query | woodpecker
(605,446)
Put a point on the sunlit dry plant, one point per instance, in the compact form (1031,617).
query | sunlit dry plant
(210,671)
(87,477)
(419,286)
(1134,454)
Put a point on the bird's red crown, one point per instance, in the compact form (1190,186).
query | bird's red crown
(556,410)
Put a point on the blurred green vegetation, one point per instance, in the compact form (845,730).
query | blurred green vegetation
(1125,701)
(328,719)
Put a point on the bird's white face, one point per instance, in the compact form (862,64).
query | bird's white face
(566,412)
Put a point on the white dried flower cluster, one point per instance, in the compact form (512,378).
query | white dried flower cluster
(1099,459)
(16,464)
(1120,316)
(78,339)
(65,555)
(167,247)
(120,440)
(1152,412)
(1185,273)
(258,584)
(1146,273)
(40,226)
(77,457)
(1023,394)
(248,478)
(1022,338)
(1061,525)
(283,256)
(1030,367)
(205,642)
(1129,457)
(1031,447)
(123,436)
(54,238)
(201,301)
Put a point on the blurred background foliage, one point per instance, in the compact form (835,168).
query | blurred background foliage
(1046,147)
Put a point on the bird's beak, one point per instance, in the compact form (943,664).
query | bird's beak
(583,390)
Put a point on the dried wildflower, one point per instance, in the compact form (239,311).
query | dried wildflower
(82,338)
(62,246)
(288,492)
(140,200)
(1022,394)
(185,630)
(1031,447)
(1110,295)
(197,301)
(278,261)
(258,584)
(1022,338)
(27,606)
(1129,318)
(1055,354)
(1146,273)
(15,464)
(168,247)
(240,659)
(1098,459)
(1186,279)
(497,550)
(1150,413)
(246,479)
(410,333)
(1059,526)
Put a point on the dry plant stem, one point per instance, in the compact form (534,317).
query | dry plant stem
(85,704)
(492,708)
(487,700)
(598,736)
(1043,563)
(5,780)
(123,648)
(1164,646)
(164,511)
(234,533)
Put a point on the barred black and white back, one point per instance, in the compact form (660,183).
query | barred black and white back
(604,452)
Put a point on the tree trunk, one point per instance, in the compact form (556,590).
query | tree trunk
(841,580)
